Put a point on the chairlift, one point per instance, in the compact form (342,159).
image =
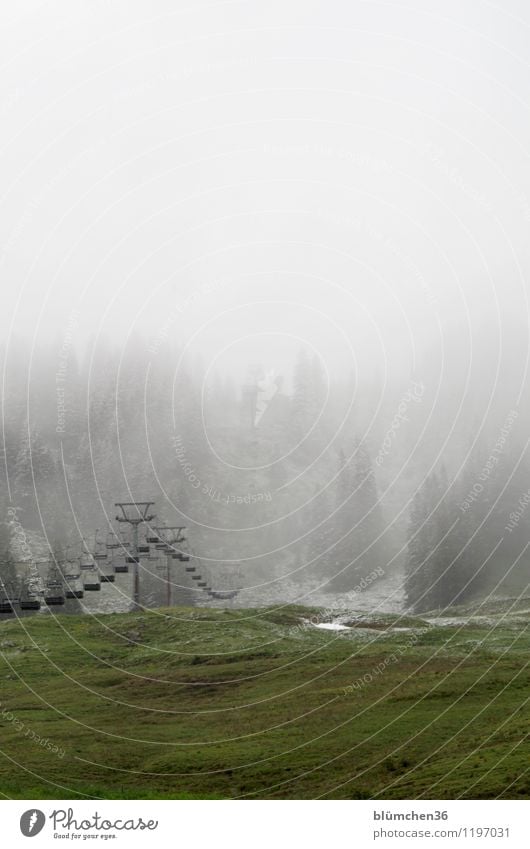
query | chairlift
(112,541)
(93,584)
(74,587)
(71,572)
(30,603)
(143,549)
(54,594)
(54,586)
(151,539)
(107,576)
(5,606)
(201,584)
(190,568)
(196,577)
(120,568)
(30,594)
(132,559)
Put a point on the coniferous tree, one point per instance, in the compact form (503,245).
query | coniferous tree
(35,477)
(8,574)
(360,528)
(424,535)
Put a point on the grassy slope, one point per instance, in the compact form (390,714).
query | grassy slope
(226,704)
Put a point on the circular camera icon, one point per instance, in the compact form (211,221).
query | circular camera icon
(32,822)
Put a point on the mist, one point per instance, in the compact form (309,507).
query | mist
(267,267)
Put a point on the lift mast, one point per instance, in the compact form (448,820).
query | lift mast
(135,513)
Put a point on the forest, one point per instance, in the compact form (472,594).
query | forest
(292,480)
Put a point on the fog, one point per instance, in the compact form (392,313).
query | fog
(267,265)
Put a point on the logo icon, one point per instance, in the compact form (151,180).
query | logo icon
(32,822)
(266,389)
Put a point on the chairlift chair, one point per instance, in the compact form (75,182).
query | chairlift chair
(107,576)
(30,603)
(54,594)
(112,541)
(73,587)
(93,584)
(30,595)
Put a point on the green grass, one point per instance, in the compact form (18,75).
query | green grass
(224,704)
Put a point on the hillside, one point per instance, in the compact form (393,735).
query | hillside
(209,703)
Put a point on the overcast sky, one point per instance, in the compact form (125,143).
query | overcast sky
(249,177)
